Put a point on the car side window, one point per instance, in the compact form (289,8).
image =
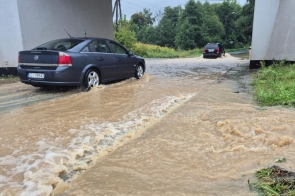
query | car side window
(86,48)
(118,49)
(100,46)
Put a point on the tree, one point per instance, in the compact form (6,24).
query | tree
(245,21)
(185,38)
(189,27)
(124,35)
(212,30)
(228,13)
(196,24)
(142,19)
(149,35)
(167,25)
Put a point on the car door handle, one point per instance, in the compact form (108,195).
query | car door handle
(100,59)
(119,59)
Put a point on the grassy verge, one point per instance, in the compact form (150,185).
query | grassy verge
(7,77)
(274,181)
(235,49)
(275,85)
(153,51)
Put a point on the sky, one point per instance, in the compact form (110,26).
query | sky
(130,7)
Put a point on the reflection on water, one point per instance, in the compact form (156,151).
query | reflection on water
(180,130)
(243,56)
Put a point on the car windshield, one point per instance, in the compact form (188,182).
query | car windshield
(61,44)
(213,46)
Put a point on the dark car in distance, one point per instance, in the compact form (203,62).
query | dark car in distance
(213,50)
(84,62)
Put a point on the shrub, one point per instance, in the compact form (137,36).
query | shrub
(274,85)
(154,51)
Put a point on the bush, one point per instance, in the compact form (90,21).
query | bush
(154,51)
(275,85)
(124,36)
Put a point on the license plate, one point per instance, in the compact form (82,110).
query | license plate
(36,75)
(210,50)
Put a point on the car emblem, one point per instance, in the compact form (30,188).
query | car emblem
(36,57)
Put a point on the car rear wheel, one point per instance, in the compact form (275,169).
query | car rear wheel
(139,71)
(91,79)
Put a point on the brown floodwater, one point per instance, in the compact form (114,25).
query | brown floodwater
(188,127)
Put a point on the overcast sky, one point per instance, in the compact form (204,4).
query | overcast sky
(130,7)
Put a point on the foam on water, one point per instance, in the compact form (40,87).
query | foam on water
(53,165)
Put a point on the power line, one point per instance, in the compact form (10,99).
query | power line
(143,5)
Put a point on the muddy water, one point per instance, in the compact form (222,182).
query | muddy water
(243,55)
(180,130)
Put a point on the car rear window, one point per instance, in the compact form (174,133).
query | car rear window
(61,44)
(214,46)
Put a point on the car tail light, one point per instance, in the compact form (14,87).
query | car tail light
(64,59)
(204,50)
(218,50)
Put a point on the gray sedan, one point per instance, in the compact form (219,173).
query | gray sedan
(78,62)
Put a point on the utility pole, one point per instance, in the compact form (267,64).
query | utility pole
(117,8)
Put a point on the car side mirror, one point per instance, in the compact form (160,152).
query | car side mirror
(130,53)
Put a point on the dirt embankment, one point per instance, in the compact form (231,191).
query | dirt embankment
(8,80)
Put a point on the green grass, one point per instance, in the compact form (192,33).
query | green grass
(274,181)
(275,85)
(235,49)
(153,51)
(176,54)
(7,77)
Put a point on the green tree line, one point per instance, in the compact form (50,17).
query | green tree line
(191,27)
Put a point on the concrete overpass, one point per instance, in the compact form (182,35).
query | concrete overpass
(29,23)
(273,32)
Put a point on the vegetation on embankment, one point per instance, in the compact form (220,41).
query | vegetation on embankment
(193,25)
(127,38)
(274,181)
(8,79)
(275,84)
(236,49)
(154,51)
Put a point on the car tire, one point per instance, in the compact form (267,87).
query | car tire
(139,71)
(91,79)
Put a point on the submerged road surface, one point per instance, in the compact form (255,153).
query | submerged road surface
(188,127)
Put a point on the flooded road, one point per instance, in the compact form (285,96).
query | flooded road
(188,127)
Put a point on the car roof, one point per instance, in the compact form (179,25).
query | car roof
(86,38)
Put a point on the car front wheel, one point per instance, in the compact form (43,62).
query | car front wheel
(139,71)
(91,78)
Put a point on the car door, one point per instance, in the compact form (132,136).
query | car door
(125,62)
(105,59)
